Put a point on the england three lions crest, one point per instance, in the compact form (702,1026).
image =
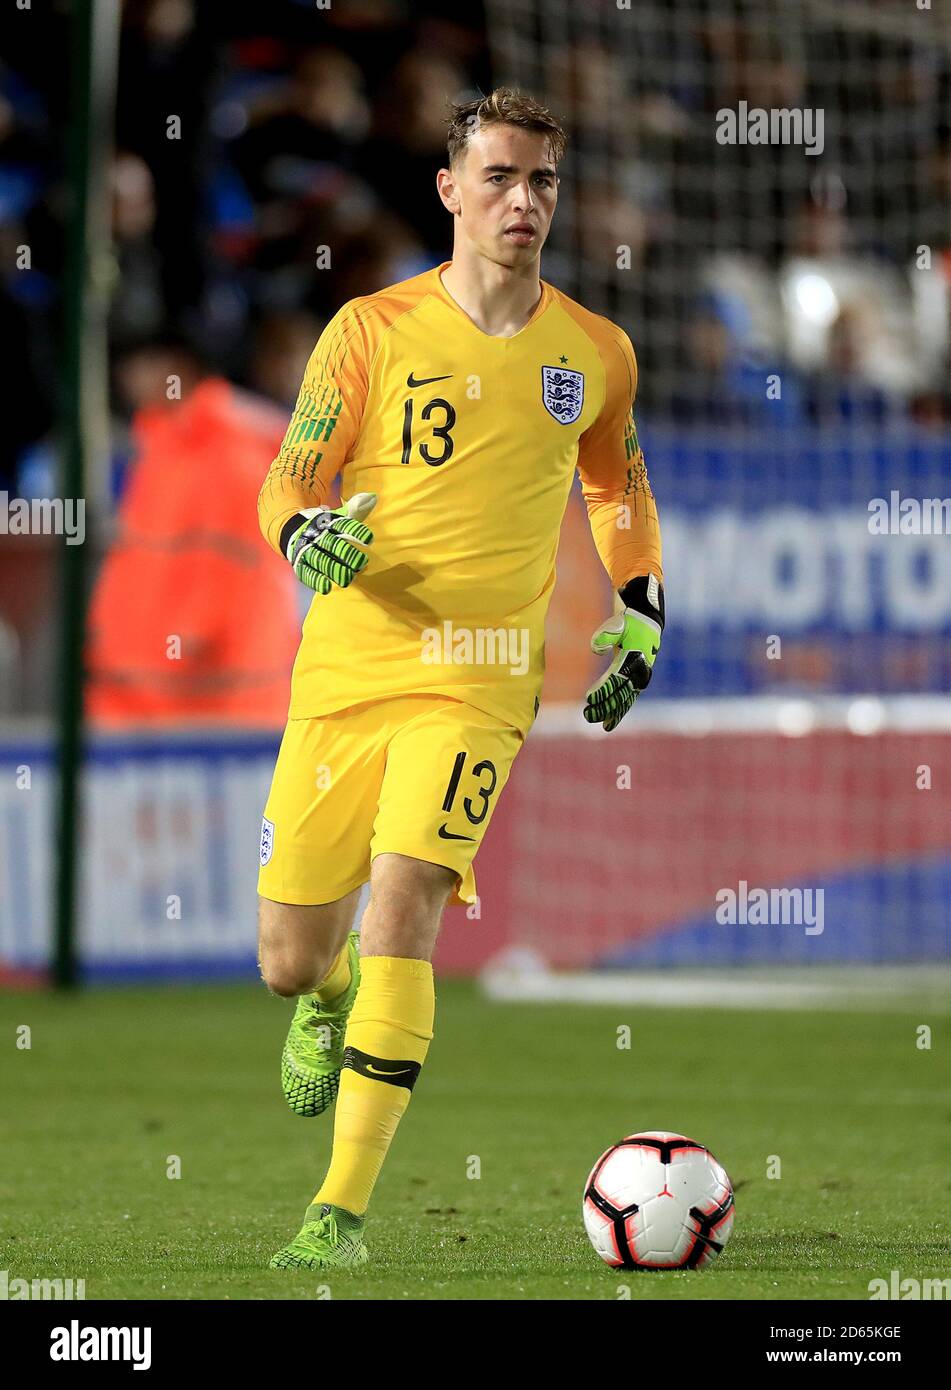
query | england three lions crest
(562,393)
(267,840)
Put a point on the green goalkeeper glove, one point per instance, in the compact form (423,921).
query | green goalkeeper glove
(326,548)
(634,635)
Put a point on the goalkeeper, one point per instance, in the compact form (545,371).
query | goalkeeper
(457,407)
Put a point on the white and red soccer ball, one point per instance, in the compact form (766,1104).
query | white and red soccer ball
(658,1201)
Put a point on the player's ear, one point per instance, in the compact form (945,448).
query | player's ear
(448,190)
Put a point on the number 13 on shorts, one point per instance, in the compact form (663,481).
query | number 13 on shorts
(455,761)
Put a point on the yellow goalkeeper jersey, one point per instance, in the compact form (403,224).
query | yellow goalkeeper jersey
(471,443)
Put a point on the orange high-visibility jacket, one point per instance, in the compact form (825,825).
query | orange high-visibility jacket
(193,616)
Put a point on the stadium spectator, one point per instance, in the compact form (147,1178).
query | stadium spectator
(840,392)
(193,617)
(408,145)
(166,61)
(283,343)
(315,121)
(137,303)
(385,252)
(723,382)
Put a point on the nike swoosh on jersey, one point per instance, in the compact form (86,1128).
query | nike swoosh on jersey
(445,834)
(425,380)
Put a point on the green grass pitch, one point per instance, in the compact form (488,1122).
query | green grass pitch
(116,1082)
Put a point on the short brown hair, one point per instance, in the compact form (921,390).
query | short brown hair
(504,106)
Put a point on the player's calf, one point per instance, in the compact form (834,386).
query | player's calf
(301,954)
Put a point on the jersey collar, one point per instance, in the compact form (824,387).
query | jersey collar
(439,289)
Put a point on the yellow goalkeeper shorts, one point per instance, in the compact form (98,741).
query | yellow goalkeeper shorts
(417,774)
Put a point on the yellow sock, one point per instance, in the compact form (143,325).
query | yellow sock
(388,1036)
(337,978)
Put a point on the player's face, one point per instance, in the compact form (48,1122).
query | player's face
(505,189)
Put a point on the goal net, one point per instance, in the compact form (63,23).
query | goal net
(759,194)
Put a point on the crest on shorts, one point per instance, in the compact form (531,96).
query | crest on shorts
(267,840)
(562,393)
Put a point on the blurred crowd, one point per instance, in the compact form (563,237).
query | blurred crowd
(272,162)
(269,164)
(830,272)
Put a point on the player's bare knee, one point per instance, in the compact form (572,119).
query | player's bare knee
(289,977)
(297,945)
(289,971)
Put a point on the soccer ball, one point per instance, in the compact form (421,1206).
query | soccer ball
(658,1201)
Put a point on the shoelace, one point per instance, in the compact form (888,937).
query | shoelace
(324,1226)
(318,1018)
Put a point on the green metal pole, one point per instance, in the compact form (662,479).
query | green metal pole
(85,304)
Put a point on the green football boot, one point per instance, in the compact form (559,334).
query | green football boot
(330,1238)
(313,1052)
